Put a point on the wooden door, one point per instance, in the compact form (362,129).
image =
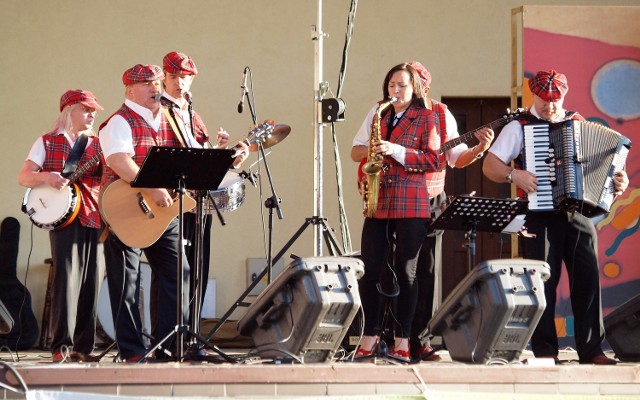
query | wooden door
(471,113)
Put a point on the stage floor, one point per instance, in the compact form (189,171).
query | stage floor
(253,377)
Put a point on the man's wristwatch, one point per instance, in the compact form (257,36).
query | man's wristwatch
(510,176)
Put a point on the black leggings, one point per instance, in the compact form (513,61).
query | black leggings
(376,242)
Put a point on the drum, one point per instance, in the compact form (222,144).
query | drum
(229,195)
(105,318)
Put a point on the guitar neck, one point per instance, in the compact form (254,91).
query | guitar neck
(466,137)
(85,167)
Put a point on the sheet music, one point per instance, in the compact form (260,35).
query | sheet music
(515,225)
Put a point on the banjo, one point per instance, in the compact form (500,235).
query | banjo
(52,209)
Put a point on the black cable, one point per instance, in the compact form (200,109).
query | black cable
(344,227)
(347,42)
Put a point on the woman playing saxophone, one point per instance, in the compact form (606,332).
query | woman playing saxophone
(408,145)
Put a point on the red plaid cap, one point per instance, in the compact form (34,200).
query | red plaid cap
(549,85)
(425,76)
(179,63)
(142,73)
(83,97)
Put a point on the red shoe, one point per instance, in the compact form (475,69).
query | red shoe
(362,352)
(135,359)
(57,357)
(426,353)
(400,355)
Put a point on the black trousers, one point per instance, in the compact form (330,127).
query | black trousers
(560,238)
(123,272)
(429,263)
(376,243)
(190,234)
(74,299)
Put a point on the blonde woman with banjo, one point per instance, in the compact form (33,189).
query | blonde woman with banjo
(63,171)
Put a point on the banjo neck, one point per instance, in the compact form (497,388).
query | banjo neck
(85,167)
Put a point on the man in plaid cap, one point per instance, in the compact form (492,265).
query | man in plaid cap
(559,235)
(52,160)
(179,73)
(126,137)
(460,156)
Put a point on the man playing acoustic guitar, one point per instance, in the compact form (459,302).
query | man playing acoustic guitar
(126,138)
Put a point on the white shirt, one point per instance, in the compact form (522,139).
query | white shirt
(38,153)
(116,136)
(362,136)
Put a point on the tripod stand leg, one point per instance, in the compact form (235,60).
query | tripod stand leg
(240,300)
(209,346)
(107,350)
(330,239)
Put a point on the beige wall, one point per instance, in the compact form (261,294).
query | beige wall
(48,47)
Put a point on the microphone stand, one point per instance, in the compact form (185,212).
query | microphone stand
(196,346)
(271,203)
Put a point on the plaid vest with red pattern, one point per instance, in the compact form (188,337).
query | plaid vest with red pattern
(436,180)
(200,129)
(144,137)
(57,151)
(403,188)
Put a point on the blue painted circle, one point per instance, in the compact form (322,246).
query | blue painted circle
(616,89)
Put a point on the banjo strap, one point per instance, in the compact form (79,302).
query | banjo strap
(74,157)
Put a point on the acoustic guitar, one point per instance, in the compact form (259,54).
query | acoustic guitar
(133,216)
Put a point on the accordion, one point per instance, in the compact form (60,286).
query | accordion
(574,162)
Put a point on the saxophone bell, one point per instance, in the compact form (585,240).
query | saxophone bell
(371,168)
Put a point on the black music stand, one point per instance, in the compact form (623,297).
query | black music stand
(473,214)
(181,169)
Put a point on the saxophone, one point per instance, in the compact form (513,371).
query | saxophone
(373,166)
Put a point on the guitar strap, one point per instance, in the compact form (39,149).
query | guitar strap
(172,121)
(76,153)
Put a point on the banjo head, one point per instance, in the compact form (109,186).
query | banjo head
(49,208)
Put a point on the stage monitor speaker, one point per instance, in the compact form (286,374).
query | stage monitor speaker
(622,327)
(490,316)
(6,321)
(305,312)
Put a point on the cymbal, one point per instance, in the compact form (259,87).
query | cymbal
(277,135)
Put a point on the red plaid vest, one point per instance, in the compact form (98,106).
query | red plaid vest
(200,129)
(403,188)
(436,179)
(57,150)
(144,137)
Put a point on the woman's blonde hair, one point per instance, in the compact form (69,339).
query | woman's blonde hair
(64,124)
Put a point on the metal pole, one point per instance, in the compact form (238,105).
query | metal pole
(318,127)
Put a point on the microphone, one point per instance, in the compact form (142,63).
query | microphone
(244,90)
(250,176)
(187,96)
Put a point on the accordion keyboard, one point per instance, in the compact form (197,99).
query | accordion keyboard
(538,157)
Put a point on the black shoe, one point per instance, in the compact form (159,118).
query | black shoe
(425,353)
(600,359)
